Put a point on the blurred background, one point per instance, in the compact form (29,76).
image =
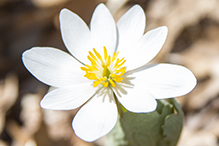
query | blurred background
(193,41)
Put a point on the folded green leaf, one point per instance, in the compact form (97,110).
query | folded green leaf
(159,128)
(172,126)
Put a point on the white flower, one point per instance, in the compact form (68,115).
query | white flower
(107,64)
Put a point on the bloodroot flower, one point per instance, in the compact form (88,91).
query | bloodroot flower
(106,67)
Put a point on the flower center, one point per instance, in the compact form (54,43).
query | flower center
(106,70)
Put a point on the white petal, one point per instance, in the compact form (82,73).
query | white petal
(130,28)
(75,34)
(103,30)
(96,118)
(135,98)
(146,48)
(67,98)
(53,67)
(165,80)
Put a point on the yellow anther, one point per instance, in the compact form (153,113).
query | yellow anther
(91,60)
(98,55)
(92,68)
(88,66)
(96,83)
(112,83)
(109,61)
(118,79)
(85,69)
(115,55)
(103,79)
(121,59)
(105,84)
(105,53)
(121,73)
(120,70)
(117,62)
(92,55)
(91,76)
(119,65)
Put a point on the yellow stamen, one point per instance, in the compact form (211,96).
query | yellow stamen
(120,70)
(104,72)
(103,79)
(118,79)
(91,60)
(105,84)
(108,61)
(115,55)
(91,67)
(91,76)
(119,65)
(112,83)
(105,53)
(96,83)
(117,62)
(85,69)
(92,55)
(98,55)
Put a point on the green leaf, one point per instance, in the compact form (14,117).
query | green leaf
(172,126)
(159,128)
(145,129)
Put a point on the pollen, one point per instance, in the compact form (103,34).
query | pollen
(104,70)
